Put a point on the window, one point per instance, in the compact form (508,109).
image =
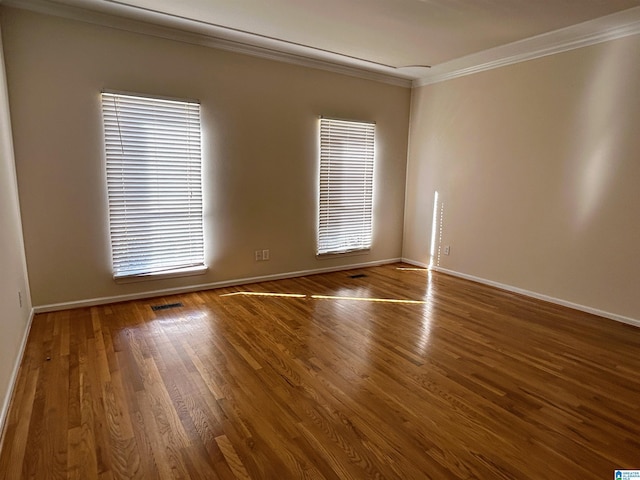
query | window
(346,186)
(154,184)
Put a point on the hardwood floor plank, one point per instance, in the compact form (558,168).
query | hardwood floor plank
(399,374)
(234,462)
(18,426)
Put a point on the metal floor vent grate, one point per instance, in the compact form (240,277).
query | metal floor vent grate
(358,275)
(166,306)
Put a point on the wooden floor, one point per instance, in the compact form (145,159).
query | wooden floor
(341,380)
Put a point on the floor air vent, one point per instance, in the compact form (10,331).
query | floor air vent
(358,275)
(166,307)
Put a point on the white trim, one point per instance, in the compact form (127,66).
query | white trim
(599,30)
(179,272)
(414,263)
(137,20)
(150,96)
(205,286)
(538,296)
(4,412)
(183,30)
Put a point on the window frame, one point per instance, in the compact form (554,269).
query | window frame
(333,215)
(154,185)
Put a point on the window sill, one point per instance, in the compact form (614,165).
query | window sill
(348,253)
(179,272)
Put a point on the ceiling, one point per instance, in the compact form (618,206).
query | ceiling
(412,40)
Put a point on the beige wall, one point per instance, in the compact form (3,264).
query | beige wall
(260,151)
(536,163)
(538,167)
(13,273)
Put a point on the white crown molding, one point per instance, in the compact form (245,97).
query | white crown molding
(603,29)
(132,19)
(188,31)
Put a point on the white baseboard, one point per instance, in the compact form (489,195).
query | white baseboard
(204,286)
(4,412)
(539,296)
(415,263)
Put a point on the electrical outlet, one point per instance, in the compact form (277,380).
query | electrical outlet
(258,254)
(265,254)
(447,250)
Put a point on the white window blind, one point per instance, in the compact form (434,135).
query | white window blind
(154,183)
(346,185)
